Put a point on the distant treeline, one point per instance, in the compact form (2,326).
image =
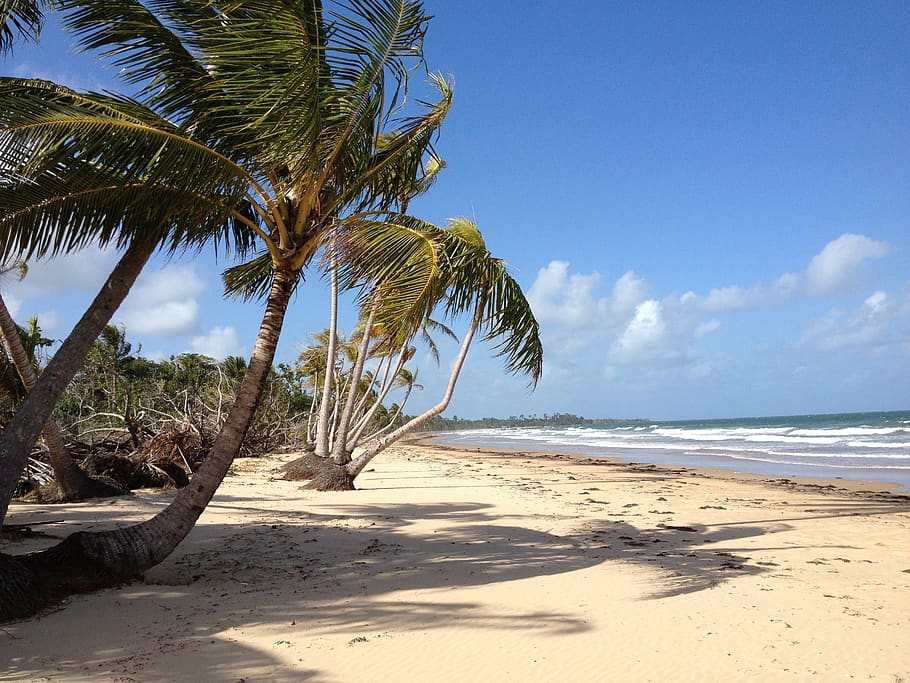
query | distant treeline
(443,424)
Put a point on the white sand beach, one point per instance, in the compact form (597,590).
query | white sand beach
(472,565)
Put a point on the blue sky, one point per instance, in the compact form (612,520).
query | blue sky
(708,205)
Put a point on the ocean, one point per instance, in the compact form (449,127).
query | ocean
(864,446)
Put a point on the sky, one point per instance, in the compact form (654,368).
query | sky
(707,205)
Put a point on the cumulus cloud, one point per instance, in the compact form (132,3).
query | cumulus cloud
(164,302)
(219,343)
(629,291)
(653,337)
(873,324)
(643,335)
(628,327)
(564,299)
(568,299)
(836,266)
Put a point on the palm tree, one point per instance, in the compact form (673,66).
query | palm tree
(72,482)
(79,169)
(292,120)
(464,278)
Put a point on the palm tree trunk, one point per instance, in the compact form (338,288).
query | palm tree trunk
(324,426)
(337,478)
(387,382)
(380,444)
(72,482)
(91,560)
(341,454)
(22,431)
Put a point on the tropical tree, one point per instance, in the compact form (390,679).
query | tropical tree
(67,180)
(284,100)
(72,483)
(457,274)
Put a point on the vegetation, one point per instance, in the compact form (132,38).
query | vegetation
(464,278)
(279,133)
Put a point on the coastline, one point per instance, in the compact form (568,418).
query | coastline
(502,564)
(897,479)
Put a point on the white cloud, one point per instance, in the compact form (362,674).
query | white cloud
(871,325)
(786,285)
(171,282)
(629,291)
(707,327)
(732,298)
(650,338)
(662,337)
(219,343)
(167,319)
(84,270)
(835,267)
(557,297)
(164,302)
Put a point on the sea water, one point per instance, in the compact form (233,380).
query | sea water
(865,446)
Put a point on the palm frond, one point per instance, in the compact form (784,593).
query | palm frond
(78,168)
(145,43)
(250,280)
(412,267)
(22,18)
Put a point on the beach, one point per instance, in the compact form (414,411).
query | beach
(463,563)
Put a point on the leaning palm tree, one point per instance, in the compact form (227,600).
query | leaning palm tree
(294,122)
(71,481)
(453,271)
(79,169)
(285,100)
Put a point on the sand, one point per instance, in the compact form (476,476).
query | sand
(467,565)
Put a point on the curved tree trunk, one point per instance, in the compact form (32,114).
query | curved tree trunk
(22,431)
(334,478)
(91,560)
(72,482)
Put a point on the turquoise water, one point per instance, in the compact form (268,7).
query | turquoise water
(872,446)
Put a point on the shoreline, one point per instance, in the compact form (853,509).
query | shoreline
(897,480)
(505,564)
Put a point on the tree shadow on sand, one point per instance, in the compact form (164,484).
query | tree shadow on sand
(353,568)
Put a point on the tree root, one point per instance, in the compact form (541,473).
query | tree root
(303,468)
(331,478)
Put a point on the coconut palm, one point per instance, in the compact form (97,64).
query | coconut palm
(79,169)
(72,483)
(454,272)
(285,100)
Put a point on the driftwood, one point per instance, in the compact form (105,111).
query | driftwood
(166,461)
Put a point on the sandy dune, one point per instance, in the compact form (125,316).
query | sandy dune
(463,565)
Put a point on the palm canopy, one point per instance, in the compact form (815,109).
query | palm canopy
(265,115)
(80,168)
(412,268)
